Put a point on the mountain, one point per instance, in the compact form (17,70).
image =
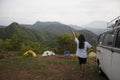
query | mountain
(24,34)
(55,27)
(90,36)
(96,27)
(41,33)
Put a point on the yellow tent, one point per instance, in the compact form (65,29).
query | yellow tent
(30,52)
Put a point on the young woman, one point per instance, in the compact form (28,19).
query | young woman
(81,51)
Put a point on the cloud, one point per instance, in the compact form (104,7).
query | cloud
(66,11)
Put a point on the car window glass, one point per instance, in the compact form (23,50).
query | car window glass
(117,44)
(108,40)
(101,38)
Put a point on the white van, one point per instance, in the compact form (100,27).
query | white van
(108,50)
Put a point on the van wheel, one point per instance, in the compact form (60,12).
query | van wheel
(101,72)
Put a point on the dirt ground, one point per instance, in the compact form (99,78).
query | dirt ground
(48,68)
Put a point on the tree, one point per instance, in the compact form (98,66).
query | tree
(1,45)
(15,43)
(66,42)
(7,45)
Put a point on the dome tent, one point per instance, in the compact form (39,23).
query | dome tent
(27,53)
(48,53)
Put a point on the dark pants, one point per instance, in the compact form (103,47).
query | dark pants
(82,60)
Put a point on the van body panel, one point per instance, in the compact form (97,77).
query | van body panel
(115,66)
(105,60)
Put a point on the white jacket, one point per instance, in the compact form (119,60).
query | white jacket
(82,52)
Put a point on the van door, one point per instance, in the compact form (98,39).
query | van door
(116,58)
(99,50)
(106,54)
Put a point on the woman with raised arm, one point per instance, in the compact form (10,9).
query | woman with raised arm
(81,52)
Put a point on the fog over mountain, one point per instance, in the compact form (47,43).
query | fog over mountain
(96,24)
(76,27)
(96,27)
(1,26)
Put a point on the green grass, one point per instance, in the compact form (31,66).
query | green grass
(20,63)
(50,68)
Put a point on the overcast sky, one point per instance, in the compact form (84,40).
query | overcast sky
(76,12)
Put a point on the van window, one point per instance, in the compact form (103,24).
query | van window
(108,40)
(101,39)
(117,43)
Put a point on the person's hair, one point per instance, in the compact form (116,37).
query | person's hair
(81,39)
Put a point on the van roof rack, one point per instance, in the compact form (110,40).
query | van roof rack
(114,23)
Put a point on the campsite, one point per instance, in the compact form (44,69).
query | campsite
(44,55)
(59,40)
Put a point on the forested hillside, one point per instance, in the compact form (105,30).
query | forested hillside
(16,37)
(25,33)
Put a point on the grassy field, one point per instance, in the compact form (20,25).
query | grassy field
(47,68)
